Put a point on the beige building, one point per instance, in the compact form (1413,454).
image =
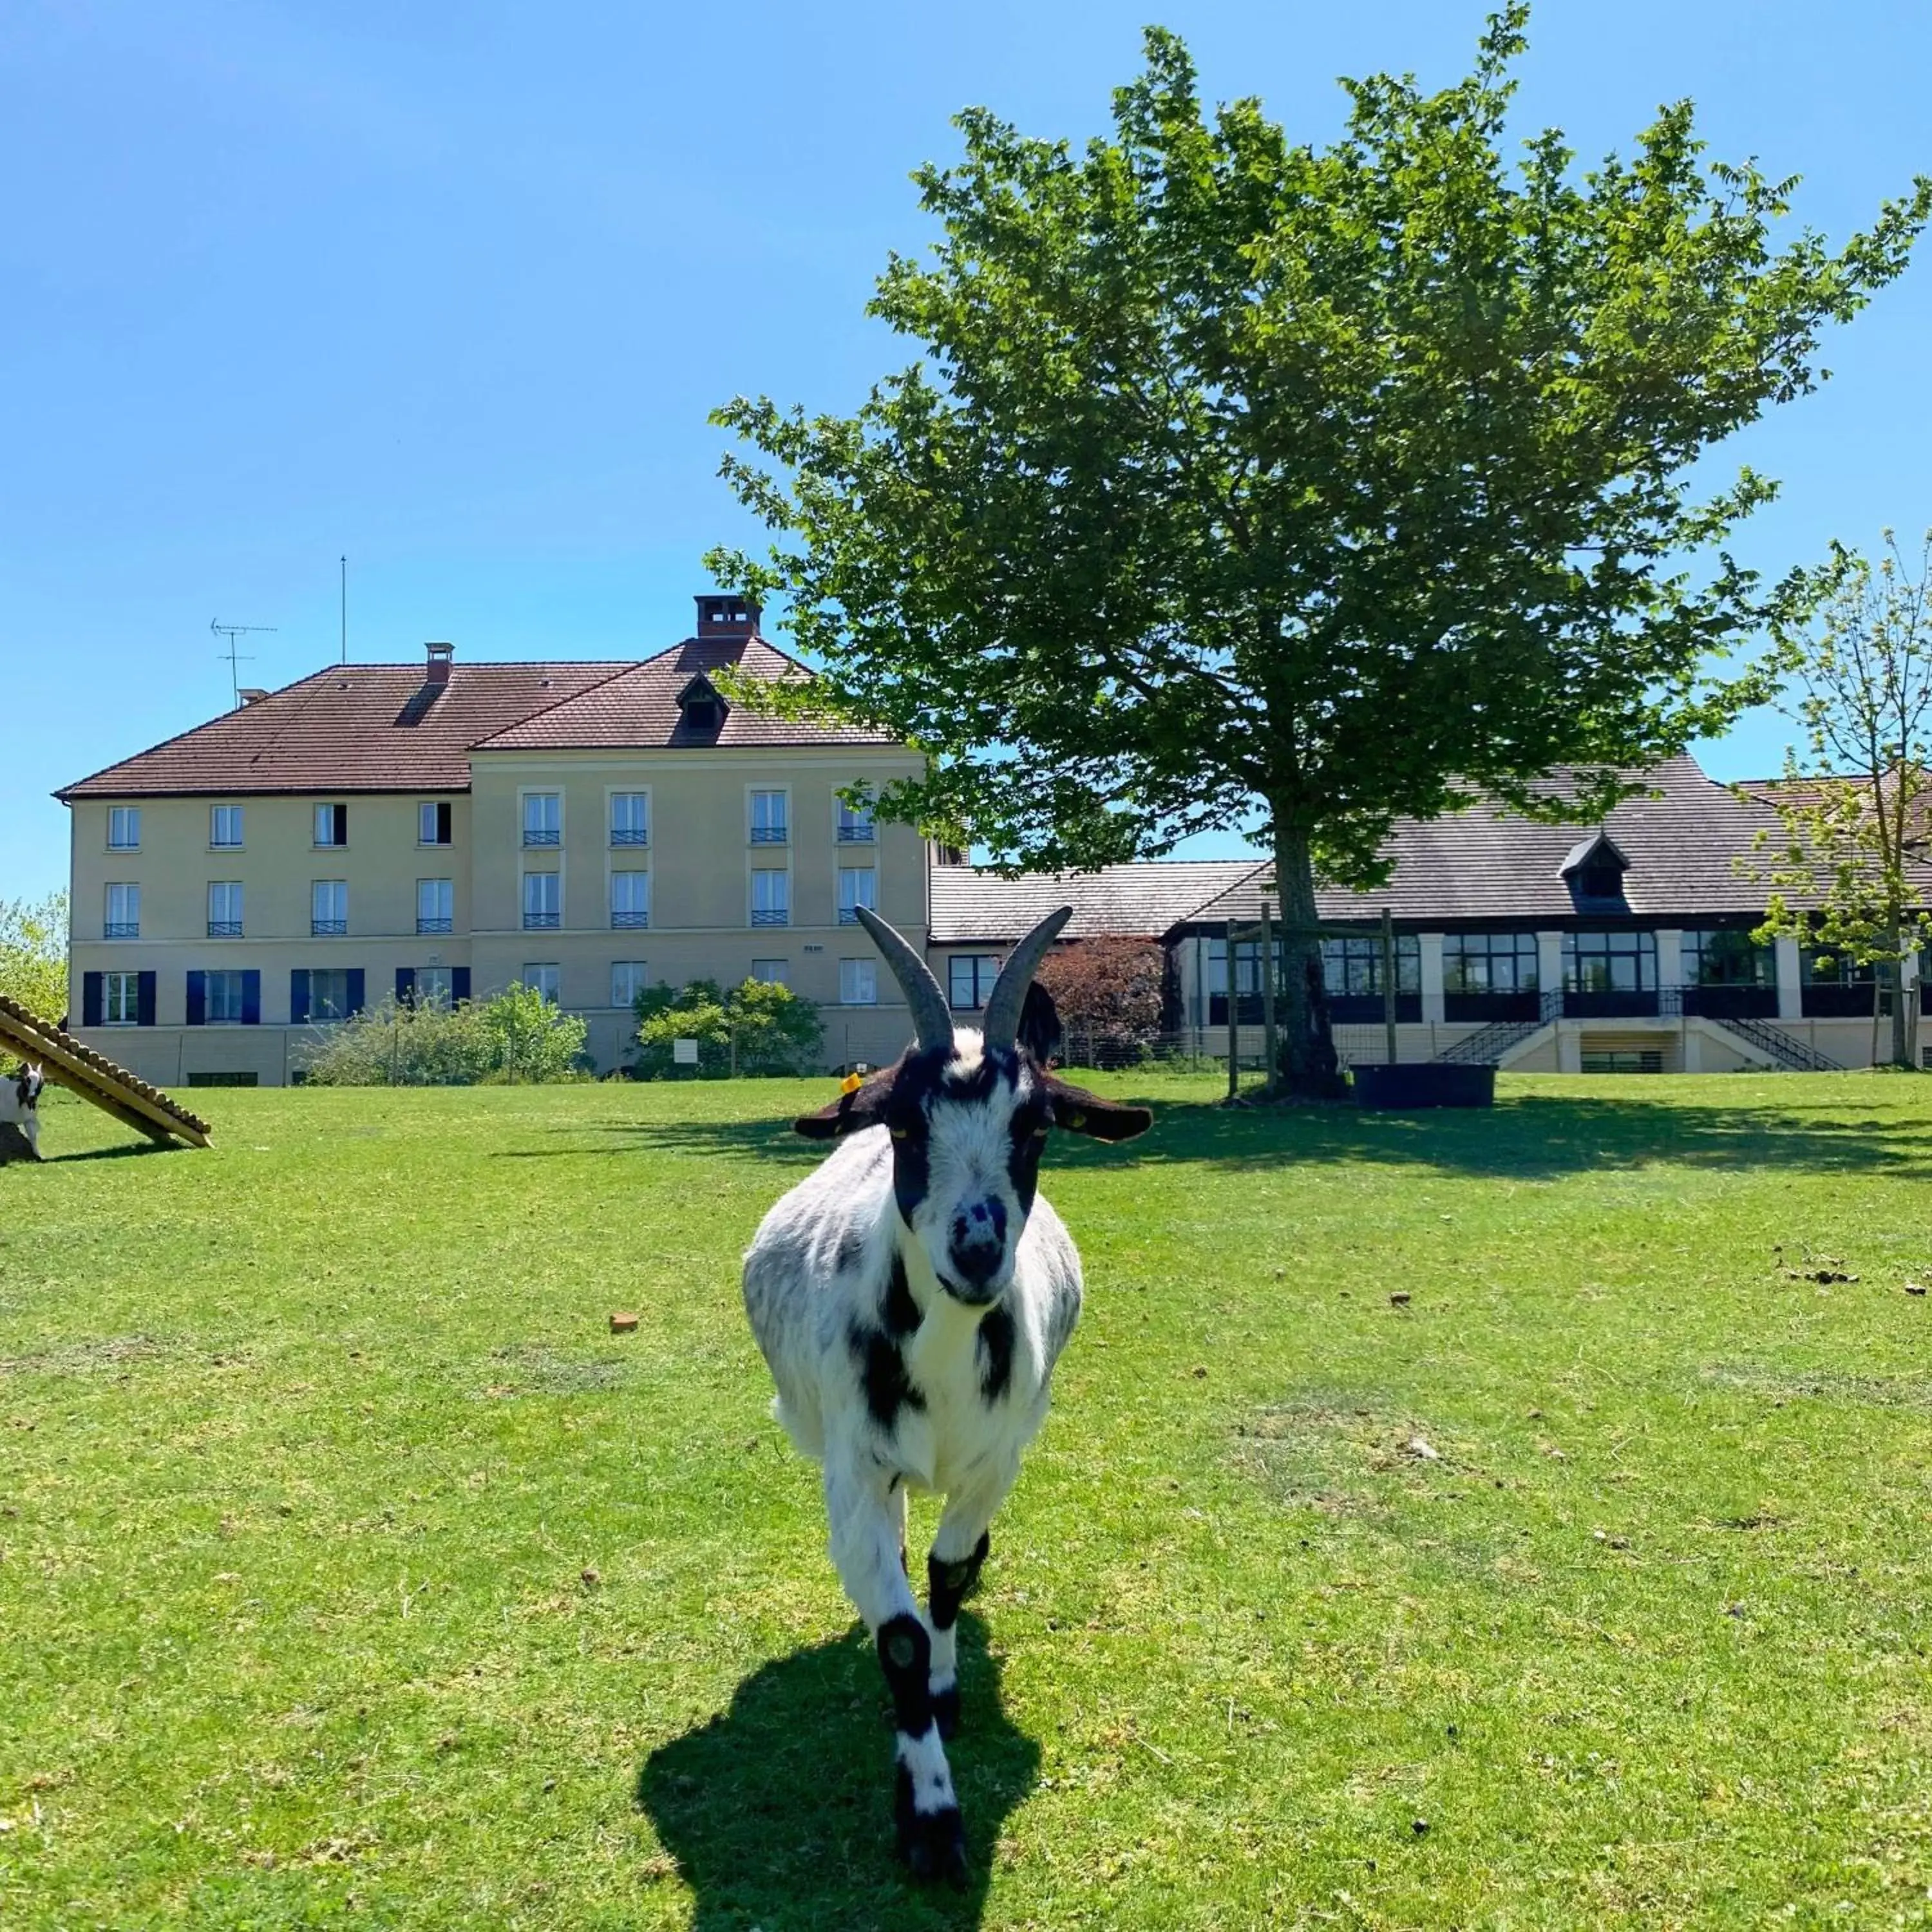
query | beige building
(448,828)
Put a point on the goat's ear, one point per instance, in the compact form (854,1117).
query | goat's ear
(1081,1112)
(863,1106)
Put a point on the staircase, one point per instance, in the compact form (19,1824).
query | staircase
(1486,1048)
(1788,1052)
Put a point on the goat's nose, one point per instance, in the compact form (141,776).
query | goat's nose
(979,1242)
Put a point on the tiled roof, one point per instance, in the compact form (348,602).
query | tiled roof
(1484,864)
(638,708)
(1132,901)
(382,728)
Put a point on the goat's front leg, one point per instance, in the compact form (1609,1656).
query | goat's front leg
(868,1518)
(959,1546)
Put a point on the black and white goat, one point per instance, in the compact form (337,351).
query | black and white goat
(20,1109)
(911,1298)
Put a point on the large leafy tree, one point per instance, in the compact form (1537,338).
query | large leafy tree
(1241,483)
(33,953)
(1850,865)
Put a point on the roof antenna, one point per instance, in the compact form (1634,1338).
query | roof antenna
(344,562)
(237,658)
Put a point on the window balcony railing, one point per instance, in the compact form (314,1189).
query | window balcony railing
(780,917)
(121,929)
(855,835)
(329,928)
(629,922)
(224,928)
(542,921)
(620,836)
(849,915)
(435,925)
(768,835)
(535,835)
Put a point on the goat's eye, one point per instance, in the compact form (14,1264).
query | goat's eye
(897,1133)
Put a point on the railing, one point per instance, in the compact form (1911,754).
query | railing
(224,928)
(435,925)
(329,928)
(542,921)
(535,835)
(849,915)
(768,835)
(121,929)
(621,835)
(1486,1048)
(629,922)
(781,917)
(855,835)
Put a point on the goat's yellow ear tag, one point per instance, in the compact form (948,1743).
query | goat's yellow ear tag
(1076,1120)
(850,1084)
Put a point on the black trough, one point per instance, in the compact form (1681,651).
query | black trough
(1427,1083)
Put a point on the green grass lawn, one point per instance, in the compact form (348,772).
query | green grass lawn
(350,1570)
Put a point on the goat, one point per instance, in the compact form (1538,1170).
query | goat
(910,1299)
(20,1108)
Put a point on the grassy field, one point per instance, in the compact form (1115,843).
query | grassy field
(351,1571)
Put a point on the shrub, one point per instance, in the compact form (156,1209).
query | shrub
(517,1035)
(33,953)
(1108,993)
(758,1027)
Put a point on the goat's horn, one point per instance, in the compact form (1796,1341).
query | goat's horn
(1003,1004)
(930,1016)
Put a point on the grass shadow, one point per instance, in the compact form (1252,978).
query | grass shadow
(124,1151)
(778,1811)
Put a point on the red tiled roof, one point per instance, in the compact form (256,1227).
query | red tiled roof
(382,728)
(638,708)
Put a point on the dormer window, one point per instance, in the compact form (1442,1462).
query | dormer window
(702,706)
(1594,870)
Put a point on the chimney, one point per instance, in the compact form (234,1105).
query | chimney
(251,694)
(437,672)
(726,616)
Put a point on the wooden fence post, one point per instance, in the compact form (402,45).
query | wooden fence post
(1271,1045)
(1233,1021)
(1388,981)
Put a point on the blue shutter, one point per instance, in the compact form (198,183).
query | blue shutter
(251,997)
(197,999)
(406,985)
(90,998)
(459,984)
(145,1011)
(357,990)
(298,997)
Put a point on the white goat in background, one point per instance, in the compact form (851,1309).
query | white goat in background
(20,1109)
(911,1298)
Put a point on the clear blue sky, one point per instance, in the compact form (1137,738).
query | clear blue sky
(451,288)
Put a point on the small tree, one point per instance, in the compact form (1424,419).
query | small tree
(1855,807)
(695,1011)
(1108,992)
(423,1043)
(533,1039)
(759,1028)
(777,1032)
(33,953)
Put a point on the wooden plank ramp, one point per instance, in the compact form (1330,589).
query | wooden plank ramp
(96,1078)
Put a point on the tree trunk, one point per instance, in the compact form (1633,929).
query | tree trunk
(1901,1014)
(1308,1070)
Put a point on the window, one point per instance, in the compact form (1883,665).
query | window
(969,979)
(858,982)
(1824,966)
(543,979)
(858,886)
(435,905)
(768,818)
(433,987)
(328,995)
(771,972)
(123,920)
(1602,879)
(1247,968)
(124,828)
(630,901)
(331,825)
(1610,962)
(433,823)
(1352,968)
(120,999)
(224,826)
(222,995)
(1488,962)
(627,981)
(855,824)
(543,902)
(1638,1061)
(1724,956)
(543,818)
(328,908)
(771,898)
(224,909)
(630,818)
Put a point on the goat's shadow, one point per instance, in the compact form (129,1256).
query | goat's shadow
(778,1811)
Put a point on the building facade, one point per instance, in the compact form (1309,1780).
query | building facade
(443,831)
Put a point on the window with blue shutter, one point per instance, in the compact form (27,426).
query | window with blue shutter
(459,984)
(251,996)
(298,997)
(90,998)
(144,1000)
(357,992)
(197,999)
(406,985)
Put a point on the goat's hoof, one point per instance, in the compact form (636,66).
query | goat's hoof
(932,1844)
(945,1712)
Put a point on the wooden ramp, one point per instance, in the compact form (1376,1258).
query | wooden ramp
(95,1077)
